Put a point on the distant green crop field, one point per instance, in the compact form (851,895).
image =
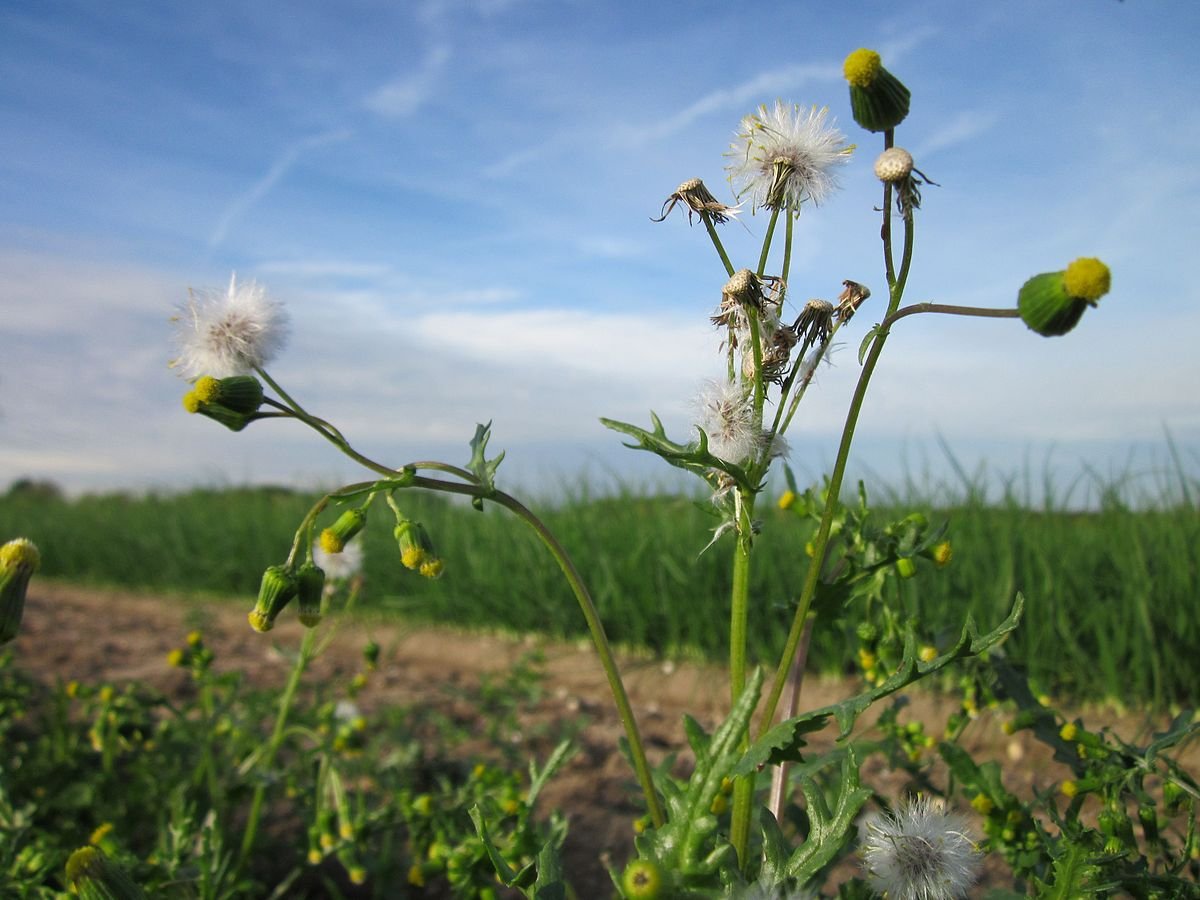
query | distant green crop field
(1113,609)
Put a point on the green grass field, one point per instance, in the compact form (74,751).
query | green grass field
(1111,594)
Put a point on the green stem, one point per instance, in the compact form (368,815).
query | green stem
(821,542)
(766,247)
(712,233)
(743,788)
(603,649)
(588,607)
(946,309)
(268,757)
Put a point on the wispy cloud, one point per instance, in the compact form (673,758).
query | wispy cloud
(260,188)
(965,126)
(403,96)
(759,89)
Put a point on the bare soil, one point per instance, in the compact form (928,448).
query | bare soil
(95,635)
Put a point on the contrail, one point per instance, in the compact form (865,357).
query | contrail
(259,189)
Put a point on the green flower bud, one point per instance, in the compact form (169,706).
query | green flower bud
(643,880)
(335,538)
(905,567)
(218,412)
(96,877)
(1046,307)
(279,586)
(240,393)
(878,99)
(309,591)
(19,559)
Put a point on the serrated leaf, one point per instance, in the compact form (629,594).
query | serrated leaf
(686,842)
(695,458)
(828,828)
(483,468)
(550,884)
(783,742)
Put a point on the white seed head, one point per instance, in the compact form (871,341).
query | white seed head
(727,416)
(230,332)
(786,155)
(893,165)
(339,566)
(919,852)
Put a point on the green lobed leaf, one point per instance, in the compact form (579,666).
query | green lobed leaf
(483,468)
(783,742)
(828,828)
(695,458)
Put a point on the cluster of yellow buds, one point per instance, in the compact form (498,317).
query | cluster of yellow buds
(416,548)
(280,585)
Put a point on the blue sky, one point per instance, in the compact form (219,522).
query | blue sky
(453,200)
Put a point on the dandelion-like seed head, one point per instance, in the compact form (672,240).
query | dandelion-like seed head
(230,332)
(726,415)
(339,566)
(785,155)
(919,851)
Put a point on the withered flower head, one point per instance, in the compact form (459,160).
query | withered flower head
(850,299)
(743,291)
(699,201)
(815,322)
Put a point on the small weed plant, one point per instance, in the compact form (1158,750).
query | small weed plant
(760,814)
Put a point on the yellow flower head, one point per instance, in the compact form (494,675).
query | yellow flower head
(862,67)
(942,554)
(175,658)
(1087,278)
(191,402)
(20,554)
(331,542)
(1069,788)
(207,389)
(1069,731)
(787,499)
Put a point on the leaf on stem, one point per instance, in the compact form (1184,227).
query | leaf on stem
(483,468)
(694,458)
(783,742)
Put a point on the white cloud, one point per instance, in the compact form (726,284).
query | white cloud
(405,95)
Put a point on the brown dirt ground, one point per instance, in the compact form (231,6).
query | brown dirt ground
(91,635)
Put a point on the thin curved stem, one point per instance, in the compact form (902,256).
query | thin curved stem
(603,649)
(946,309)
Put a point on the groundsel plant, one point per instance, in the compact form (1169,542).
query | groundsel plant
(708,835)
